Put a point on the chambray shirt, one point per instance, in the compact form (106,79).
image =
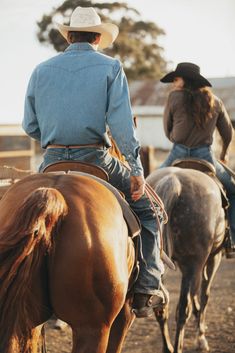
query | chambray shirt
(73,97)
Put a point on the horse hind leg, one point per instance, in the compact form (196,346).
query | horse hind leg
(104,339)
(88,339)
(104,328)
(120,327)
(184,310)
(212,266)
(196,306)
(162,318)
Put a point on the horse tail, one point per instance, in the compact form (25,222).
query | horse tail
(23,242)
(169,189)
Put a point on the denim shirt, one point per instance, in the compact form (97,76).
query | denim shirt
(73,97)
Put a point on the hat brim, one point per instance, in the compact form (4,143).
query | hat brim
(108,31)
(168,78)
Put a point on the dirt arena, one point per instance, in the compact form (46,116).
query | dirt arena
(144,335)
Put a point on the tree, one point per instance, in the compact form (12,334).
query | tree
(136,45)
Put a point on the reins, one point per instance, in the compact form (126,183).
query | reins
(156,203)
(153,197)
(158,207)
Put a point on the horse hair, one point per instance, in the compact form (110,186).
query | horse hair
(21,245)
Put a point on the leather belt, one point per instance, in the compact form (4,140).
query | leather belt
(96,145)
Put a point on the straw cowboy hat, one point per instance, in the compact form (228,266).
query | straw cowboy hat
(187,70)
(85,19)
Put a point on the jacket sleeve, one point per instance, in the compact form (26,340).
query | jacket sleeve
(120,120)
(30,122)
(225,129)
(168,117)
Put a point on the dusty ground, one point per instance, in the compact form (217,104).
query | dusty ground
(144,335)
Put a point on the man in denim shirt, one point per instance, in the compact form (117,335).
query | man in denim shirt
(71,100)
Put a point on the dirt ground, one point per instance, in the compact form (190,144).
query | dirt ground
(144,335)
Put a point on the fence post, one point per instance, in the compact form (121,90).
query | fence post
(147,159)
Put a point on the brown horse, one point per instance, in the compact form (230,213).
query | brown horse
(64,249)
(195,231)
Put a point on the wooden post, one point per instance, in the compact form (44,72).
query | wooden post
(147,159)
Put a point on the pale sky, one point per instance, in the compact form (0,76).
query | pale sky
(200,31)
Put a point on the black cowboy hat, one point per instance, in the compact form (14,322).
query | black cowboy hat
(187,70)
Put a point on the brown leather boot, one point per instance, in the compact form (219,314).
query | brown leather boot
(143,304)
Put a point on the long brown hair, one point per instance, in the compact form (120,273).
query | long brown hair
(199,102)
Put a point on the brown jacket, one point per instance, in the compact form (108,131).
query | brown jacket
(180,127)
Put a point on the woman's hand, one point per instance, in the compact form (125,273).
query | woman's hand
(137,187)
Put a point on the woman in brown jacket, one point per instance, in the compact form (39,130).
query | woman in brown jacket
(192,114)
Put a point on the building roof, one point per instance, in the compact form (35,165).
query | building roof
(148,93)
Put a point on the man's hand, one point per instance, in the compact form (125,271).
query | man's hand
(137,187)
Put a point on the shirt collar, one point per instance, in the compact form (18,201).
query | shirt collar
(80,46)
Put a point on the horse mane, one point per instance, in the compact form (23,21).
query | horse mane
(23,242)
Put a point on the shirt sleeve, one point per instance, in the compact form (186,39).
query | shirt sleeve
(225,129)
(168,118)
(30,122)
(120,120)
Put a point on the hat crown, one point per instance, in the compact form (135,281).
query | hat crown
(187,67)
(84,17)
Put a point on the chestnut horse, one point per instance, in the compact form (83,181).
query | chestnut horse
(194,234)
(64,249)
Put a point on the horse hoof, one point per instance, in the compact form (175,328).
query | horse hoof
(60,325)
(203,344)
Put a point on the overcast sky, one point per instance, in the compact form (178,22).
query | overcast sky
(200,31)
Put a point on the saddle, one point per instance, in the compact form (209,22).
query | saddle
(205,167)
(77,166)
(99,174)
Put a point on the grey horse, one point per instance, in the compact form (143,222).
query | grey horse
(194,238)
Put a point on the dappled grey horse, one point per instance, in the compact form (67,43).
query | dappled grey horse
(194,233)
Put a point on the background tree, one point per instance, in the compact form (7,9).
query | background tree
(137,43)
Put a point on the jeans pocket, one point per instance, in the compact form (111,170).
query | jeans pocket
(51,157)
(52,153)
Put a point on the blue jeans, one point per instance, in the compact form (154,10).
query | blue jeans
(205,152)
(151,266)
